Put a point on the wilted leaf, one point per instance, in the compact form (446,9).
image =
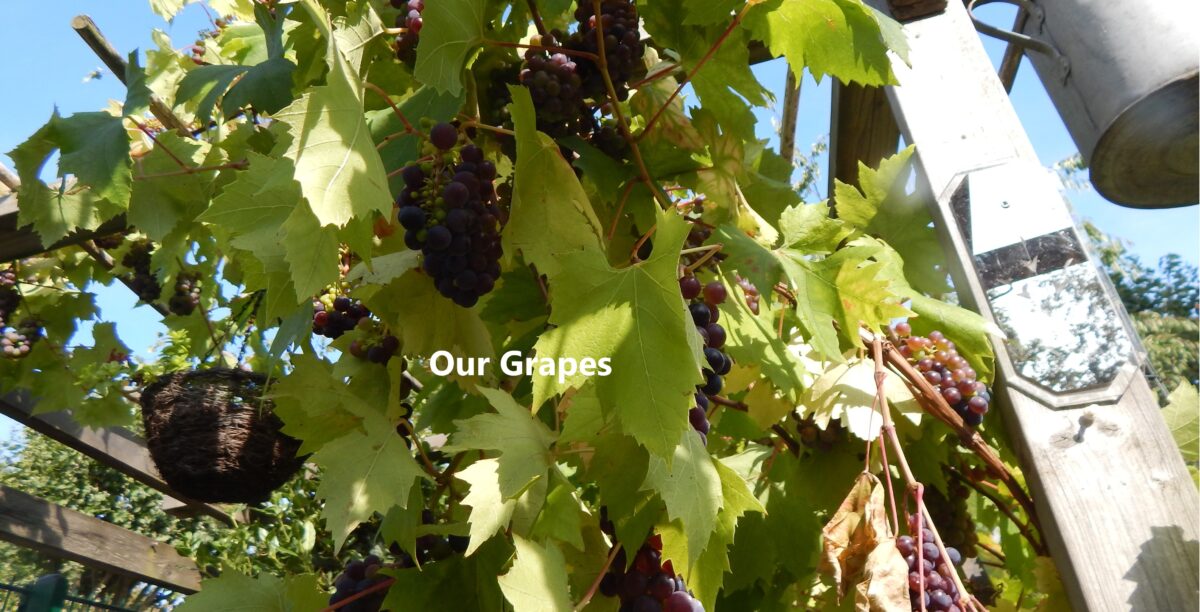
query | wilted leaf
(885,581)
(854,531)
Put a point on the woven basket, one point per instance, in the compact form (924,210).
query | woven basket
(213,440)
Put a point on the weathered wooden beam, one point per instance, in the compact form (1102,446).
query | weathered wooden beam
(114,447)
(861,129)
(53,530)
(17,242)
(1118,509)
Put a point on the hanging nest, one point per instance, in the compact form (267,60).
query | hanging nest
(215,439)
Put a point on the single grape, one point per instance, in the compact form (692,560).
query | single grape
(903,329)
(716,335)
(443,136)
(689,286)
(715,293)
(700,314)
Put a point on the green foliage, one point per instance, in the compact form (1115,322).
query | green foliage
(302,121)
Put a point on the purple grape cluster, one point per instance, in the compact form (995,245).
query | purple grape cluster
(704,312)
(939,362)
(357,577)
(186,295)
(649,584)
(143,282)
(409,19)
(623,47)
(341,318)
(451,212)
(556,87)
(16,342)
(377,350)
(812,436)
(933,580)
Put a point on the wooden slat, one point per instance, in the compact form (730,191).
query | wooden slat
(1118,509)
(17,242)
(35,523)
(114,447)
(862,129)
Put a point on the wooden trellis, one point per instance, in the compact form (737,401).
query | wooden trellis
(1116,505)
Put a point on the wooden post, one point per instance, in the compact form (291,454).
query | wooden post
(35,523)
(861,129)
(1118,508)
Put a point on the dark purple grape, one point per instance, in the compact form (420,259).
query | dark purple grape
(716,335)
(438,238)
(443,135)
(689,286)
(700,314)
(411,217)
(698,419)
(712,383)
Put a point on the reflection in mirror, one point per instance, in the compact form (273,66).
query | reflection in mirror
(1063,332)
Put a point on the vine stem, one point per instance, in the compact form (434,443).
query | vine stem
(149,132)
(491,128)
(935,404)
(382,585)
(612,229)
(408,128)
(655,76)
(551,48)
(1034,542)
(591,592)
(712,249)
(412,435)
(737,19)
(638,245)
(537,17)
(881,375)
(395,31)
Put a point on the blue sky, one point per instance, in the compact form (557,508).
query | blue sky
(45,63)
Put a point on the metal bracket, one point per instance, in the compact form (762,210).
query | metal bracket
(1022,41)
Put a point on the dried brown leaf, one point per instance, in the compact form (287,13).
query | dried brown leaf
(885,581)
(854,531)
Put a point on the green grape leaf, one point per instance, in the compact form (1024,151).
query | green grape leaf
(522,441)
(311,250)
(490,512)
(339,170)
(266,86)
(674,126)
(428,322)
(385,268)
(585,418)
(234,591)
(253,206)
(706,575)
(159,204)
(364,472)
(546,193)
(563,514)
(314,405)
(601,311)
(137,90)
(450,32)
(400,524)
(467,583)
(691,488)
(842,38)
(167,9)
(95,148)
(755,339)
(881,207)
(538,578)
(704,12)
(1182,415)
(808,227)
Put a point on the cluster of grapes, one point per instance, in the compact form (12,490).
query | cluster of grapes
(333,317)
(705,313)
(556,88)
(494,70)
(607,137)
(187,294)
(10,298)
(950,513)
(377,350)
(936,572)
(751,294)
(650,585)
(143,282)
(623,48)
(939,362)
(409,19)
(451,213)
(357,577)
(16,342)
(813,436)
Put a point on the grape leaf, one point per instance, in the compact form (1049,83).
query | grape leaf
(853,532)
(451,30)
(311,250)
(266,86)
(158,204)
(468,583)
(691,488)
(673,125)
(846,391)
(490,512)
(755,339)
(167,9)
(233,592)
(709,570)
(385,268)
(546,193)
(881,207)
(562,516)
(842,38)
(601,311)
(704,12)
(1182,414)
(95,148)
(522,440)
(315,406)
(364,472)
(400,524)
(538,578)
(254,205)
(808,227)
